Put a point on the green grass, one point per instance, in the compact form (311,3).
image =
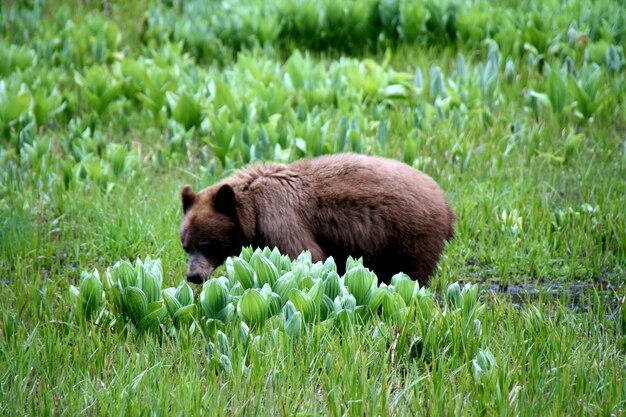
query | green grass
(548,361)
(538,189)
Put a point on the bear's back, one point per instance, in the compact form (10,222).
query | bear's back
(395,217)
(370,180)
(362,202)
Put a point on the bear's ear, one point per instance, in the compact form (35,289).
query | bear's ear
(225,201)
(188,197)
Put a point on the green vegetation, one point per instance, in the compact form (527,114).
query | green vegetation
(106,110)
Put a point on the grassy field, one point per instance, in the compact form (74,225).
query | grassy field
(517,110)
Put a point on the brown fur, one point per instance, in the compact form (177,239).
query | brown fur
(392,215)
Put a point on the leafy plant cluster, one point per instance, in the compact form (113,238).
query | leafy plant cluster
(266,292)
(75,100)
(579,30)
(260,109)
(119,114)
(517,110)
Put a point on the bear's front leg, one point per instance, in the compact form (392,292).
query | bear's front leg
(277,200)
(285,231)
(291,240)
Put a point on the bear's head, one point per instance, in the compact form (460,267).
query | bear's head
(211,229)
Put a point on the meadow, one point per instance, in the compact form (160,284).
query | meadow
(517,109)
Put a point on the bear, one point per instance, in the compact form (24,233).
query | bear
(393,216)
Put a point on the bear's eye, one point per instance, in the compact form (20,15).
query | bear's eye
(204,246)
(186,248)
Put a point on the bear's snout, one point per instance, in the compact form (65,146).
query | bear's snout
(198,269)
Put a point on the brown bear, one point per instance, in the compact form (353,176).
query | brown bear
(395,217)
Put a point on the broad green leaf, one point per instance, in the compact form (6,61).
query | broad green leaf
(417,348)
(153,267)
(236,290)
(74,293)
(151,287)
(353,263)
(275,304)
(509,71)
(13,107)
(244,273)
(276,258)
(316,291)
(348,302)
(344,319)
(305,259)
(225,364)
(407,288)
(157,83)
(304,304)
(389,305)
(327,307)
(184,294)
(332,285)
(225,315)
(329,265)
(614,58)
(100,87)
(155,314)
(469,298)
(413,15)
(246,253)
(437,87)
(136,304)
(187,111)
(293,321)
(453,295)
(171,302)
(244,332)
(116,297)
(360,282)
(378,295)
(484,365)
(266,272)
(253,308)
(185,314)
(556,89)
(266,252)
(426,303)
(222,343)
(214,297)
(223,96)
(284,284)
(293,67)
(91,293)
(395,91)
(46,106)
(418,80)
(541,98)
(124,273)
(389,12)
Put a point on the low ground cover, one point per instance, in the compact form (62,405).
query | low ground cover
(518,113)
